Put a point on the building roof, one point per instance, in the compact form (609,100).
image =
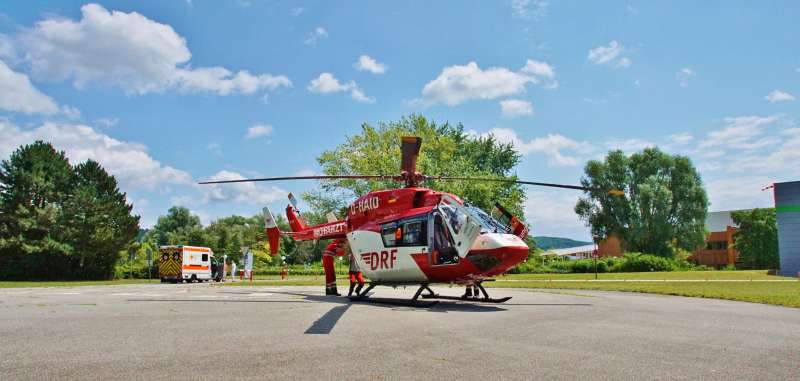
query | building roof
(719,221)
(571,250)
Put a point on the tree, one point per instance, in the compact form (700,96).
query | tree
(96,222)
(757,238)
(446,150)
(664,205)
(179,227)
(32,184)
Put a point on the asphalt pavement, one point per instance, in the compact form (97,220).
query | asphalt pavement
(202,331)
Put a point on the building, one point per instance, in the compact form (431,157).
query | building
(719,250)
(787,208)
(573,253)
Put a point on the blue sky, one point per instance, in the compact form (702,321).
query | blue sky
(165,94)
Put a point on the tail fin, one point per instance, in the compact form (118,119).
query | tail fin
(296,222)
(273,232)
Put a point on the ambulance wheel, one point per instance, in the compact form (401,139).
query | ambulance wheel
(193,279)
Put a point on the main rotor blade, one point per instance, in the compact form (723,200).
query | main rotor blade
(409,148)
(341,177)
(552,185)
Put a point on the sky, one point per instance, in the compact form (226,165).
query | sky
(168,93)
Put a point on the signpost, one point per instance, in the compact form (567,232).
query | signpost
(248,262)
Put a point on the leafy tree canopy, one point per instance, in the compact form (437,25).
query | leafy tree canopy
(446,150)
(757,238)
(664,205)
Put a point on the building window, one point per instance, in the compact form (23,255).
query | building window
(717,245)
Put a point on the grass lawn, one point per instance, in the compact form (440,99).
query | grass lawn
(778,293)
(672,275)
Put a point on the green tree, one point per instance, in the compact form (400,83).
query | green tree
(96,222)
(179,227)
(757,238)
(32,185)
(446,150)
(664,205)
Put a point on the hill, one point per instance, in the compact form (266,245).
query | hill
(547,243)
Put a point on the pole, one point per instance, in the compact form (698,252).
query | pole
(149,264)
(595,254)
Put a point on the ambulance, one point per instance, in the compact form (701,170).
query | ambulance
(185,264)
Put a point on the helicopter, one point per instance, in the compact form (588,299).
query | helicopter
(412,235)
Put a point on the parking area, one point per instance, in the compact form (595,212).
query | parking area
(165,331)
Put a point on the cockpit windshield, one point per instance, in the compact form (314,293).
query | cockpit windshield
(487,222)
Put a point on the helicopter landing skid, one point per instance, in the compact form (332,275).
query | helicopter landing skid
(464,298)
(414,302)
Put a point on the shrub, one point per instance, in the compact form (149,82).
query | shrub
(638,262)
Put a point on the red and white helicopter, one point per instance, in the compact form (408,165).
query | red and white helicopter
(413,235)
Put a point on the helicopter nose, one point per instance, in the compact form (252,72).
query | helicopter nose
(495,254)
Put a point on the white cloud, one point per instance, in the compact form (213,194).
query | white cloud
(215,148)
(609,55)
(779,96)
(305,172)
(781,158)
(741,132)
(71,112)
(127,50)
(223,82)
(107,122)
(516,107)
(552,210)
(326,83)
(734,193)
(560,150)
(258,131)
(529,8)
(247,193)
(367,63)
(17,94)
(129,162)
(682,138)
(629,146)
(319,33)
(683,76)
(539,69)
(460,83)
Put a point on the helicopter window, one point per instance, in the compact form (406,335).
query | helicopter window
(411,232)
(455,218)
(414,233)
(487,222)
(388,232)
(443,250)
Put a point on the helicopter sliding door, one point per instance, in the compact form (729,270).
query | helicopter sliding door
(461,225)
